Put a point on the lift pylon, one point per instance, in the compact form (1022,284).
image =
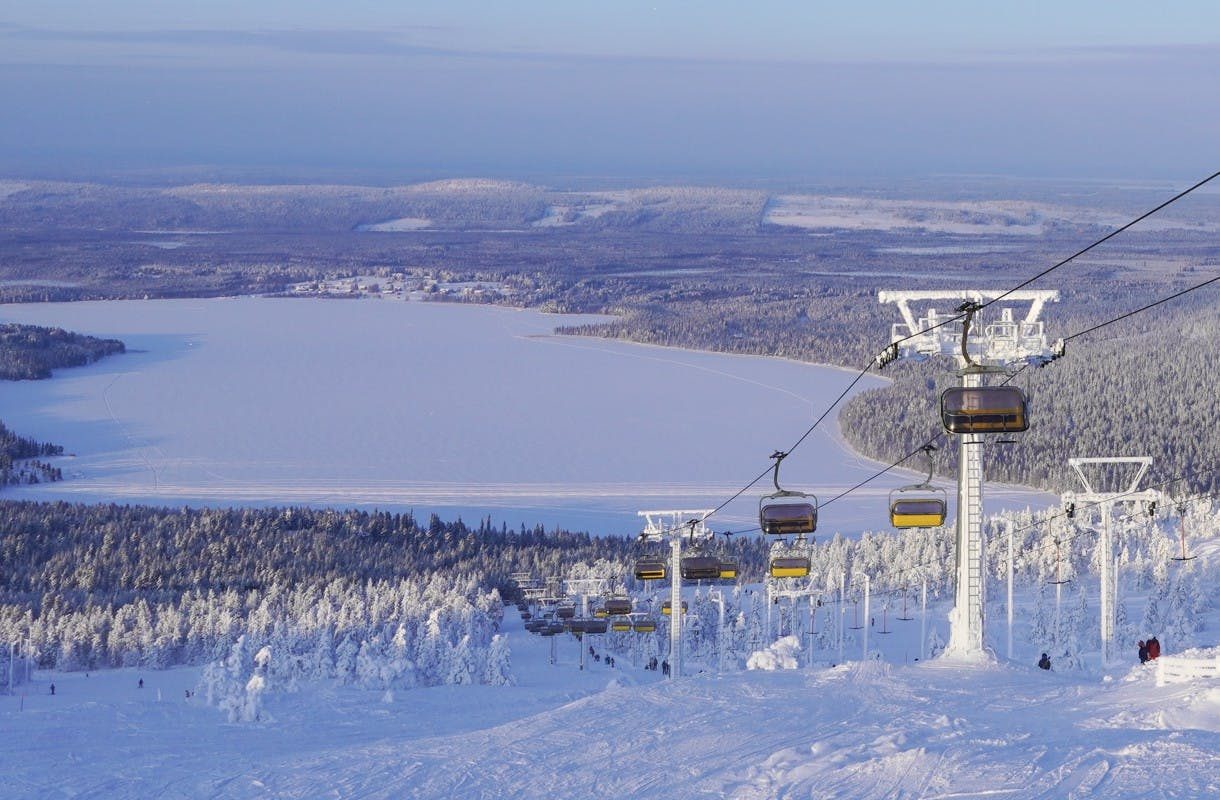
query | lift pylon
(978,347)
(674,526)
(1127,493)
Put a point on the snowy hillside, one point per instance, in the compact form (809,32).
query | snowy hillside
(871,729)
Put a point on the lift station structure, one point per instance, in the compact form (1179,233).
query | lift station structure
(979,349)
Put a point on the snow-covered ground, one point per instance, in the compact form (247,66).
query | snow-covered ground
(469,410)
(862,729)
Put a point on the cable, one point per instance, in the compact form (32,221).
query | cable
(1132,313)
(1062,514)
(809,431)
(1103,239)
(1033,548)
(1027,365)
(882,472)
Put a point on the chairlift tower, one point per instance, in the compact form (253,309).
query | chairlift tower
(978,348)
(808,591)
(1105,545)
(673,526)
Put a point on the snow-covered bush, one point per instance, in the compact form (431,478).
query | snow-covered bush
(782,654)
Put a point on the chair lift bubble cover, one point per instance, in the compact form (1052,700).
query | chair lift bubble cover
(777,517)
(984,409)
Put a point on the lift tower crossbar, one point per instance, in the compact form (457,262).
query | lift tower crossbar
(1105,545)
(981,348)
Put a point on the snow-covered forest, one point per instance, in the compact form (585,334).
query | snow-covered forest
(1115,380)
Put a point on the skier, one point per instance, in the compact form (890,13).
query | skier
(1045,661)
(141,683)
(1143,652)
(1154,648)
(665,667)
(52,689)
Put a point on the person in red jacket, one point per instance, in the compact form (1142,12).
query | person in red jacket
(1154,648)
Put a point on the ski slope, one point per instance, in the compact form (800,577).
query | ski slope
(893,728)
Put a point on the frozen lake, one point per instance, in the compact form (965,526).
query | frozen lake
(450,409)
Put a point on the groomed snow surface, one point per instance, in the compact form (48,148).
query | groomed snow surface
(861,729)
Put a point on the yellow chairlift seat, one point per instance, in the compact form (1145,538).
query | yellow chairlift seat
(984,409)
(667,610)
(790,566)
(651,569)
(644,626)
(728,570)
(620,625)
(917,512)
(601,613)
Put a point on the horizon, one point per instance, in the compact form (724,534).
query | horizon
(788,92)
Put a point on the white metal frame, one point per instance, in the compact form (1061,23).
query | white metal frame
(987,347)
(1105,544)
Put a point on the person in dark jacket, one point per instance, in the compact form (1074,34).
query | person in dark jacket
(1143,652)
(1045,661)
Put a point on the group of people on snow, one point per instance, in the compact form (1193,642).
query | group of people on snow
(1147,651)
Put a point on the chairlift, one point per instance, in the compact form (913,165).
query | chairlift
(790,566)
(620,624)
(617,606)
(728,570)
(1059,581)
(644,625)
(596,626)
(700,568)
(1181,537)
(667,610)
(651,568)
(920,505)
(565,611)
(601,613)
(786,512)
(984,409)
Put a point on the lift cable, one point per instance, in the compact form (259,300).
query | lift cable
(1133,312)
(809,431)
(878,474)
(1033,548)
(1027,365)
(1103,239)
(1052,517)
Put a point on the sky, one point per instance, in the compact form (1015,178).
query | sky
(652,90)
